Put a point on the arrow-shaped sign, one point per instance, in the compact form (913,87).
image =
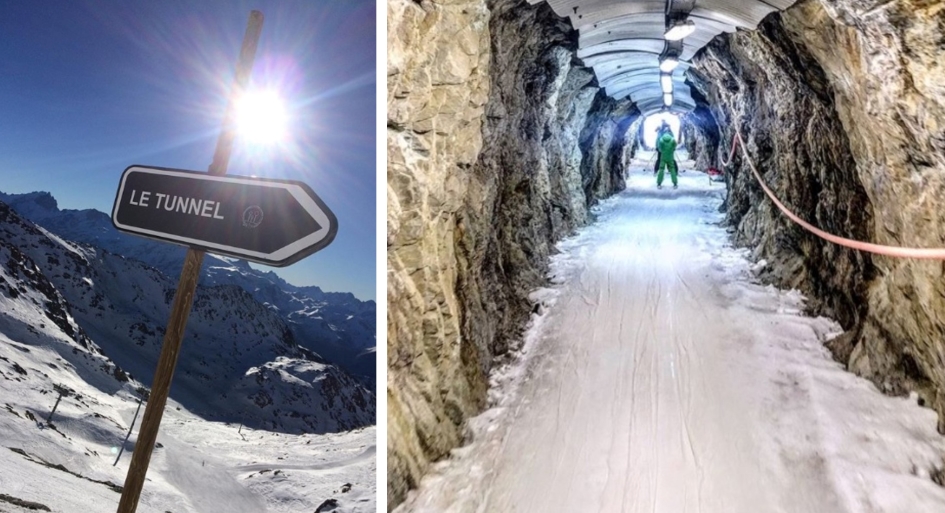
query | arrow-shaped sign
(273,222)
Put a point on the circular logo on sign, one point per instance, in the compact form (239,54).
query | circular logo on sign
(252,216)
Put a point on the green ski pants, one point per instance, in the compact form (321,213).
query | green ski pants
(671,164)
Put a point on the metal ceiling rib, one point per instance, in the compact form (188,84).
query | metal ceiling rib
(691,44)
(628,77)
(644,92)
(628,61)
(622,45)
(623,39)
(589,13)
(627,45)
(608,70)
(651,103)
(642,78)
(657,19)
(616,64)
(648,25)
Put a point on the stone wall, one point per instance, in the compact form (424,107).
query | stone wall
(499,142)
(497,148)
(701,133)
(777,94)
(603,139)
(842,104)
(885,62)
(438,64)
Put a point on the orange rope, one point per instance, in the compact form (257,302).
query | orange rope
(731,154)
(879,249)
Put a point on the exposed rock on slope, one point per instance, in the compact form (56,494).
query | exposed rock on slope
(34,314)
(470,231)
(123,306)
(335,325)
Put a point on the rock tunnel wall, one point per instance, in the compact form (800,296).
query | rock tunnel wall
(438,84)
(701,133)
(770,87)
(498,144)
(841,104)
(499,141)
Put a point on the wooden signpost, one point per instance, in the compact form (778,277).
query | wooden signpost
(299,224)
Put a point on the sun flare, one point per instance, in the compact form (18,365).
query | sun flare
(261,117)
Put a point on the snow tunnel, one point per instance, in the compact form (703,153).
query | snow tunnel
(515,126)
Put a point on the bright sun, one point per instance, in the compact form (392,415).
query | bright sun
(261,117)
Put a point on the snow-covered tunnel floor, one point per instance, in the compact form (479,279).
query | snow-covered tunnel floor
(661,377)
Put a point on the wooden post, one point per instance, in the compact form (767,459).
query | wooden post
(184,297)
(129,432)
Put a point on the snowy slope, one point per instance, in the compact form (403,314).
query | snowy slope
(335,325)
(239,362)
(50,289)
(660,377)
(198,467)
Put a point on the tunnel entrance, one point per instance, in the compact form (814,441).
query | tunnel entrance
(652,124)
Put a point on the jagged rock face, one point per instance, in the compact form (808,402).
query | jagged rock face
(118,307)
(841,103)
(701,135)
(538,173)
(605,135)
(884,61)
(438,61)
(776,93)
(480,187)
(335,325)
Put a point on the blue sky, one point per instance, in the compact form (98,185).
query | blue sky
(88,88)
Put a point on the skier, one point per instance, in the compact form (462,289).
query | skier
(663,128)
(666,147)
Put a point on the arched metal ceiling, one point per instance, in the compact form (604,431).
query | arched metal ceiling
(622,40)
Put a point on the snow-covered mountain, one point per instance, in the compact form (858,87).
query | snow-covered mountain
(67,465)
(336,326)
(78,318)
(103,316)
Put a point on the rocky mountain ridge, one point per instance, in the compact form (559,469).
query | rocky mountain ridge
(336,325)
(240,361)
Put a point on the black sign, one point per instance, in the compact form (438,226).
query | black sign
(273,222)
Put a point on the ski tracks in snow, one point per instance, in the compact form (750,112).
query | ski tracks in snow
(662,379)
(206,481)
